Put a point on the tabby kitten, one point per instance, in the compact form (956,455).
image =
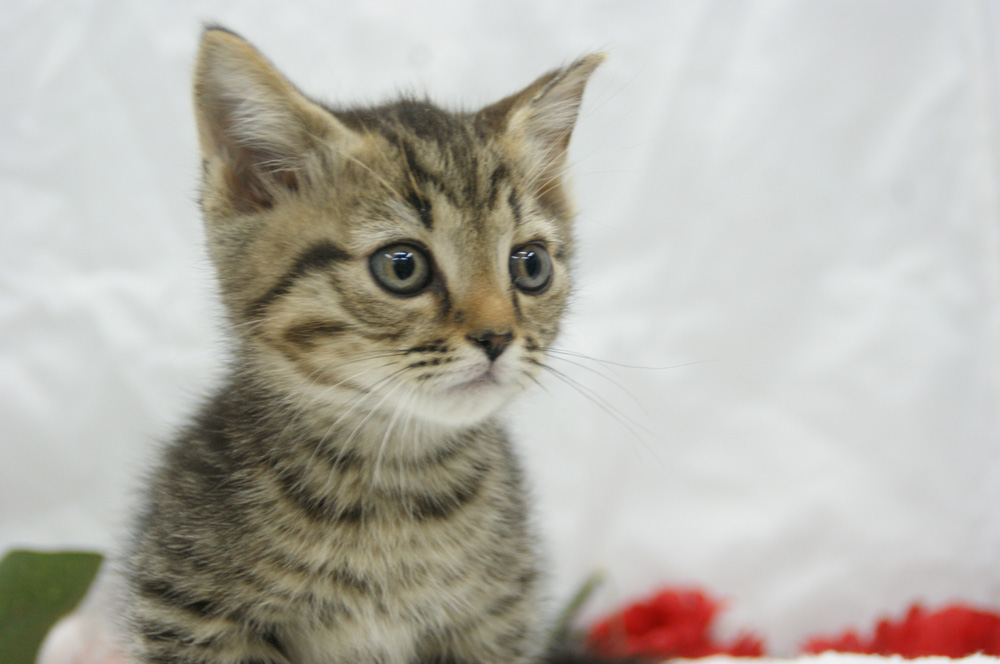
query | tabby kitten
(392,276)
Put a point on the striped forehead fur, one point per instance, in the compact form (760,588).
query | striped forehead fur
(438,148)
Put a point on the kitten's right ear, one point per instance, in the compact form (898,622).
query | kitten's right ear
(253,123)
(541,117)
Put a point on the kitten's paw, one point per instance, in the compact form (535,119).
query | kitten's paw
(81,638)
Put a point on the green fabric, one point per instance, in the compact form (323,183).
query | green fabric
(36,589)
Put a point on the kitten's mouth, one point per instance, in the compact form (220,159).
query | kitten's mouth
(484,380)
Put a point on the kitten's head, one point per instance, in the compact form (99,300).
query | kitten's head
(397,259)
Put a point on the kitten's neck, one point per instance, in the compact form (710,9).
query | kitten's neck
(274,419)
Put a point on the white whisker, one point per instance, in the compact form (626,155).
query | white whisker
(624,390)
(628,423)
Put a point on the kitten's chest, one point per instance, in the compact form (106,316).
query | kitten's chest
(430,533)
(363,638)
(385,563)
(390,585)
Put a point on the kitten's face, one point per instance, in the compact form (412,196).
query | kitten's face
(399,260)
(434,297)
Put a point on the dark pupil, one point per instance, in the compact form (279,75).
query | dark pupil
(532,264)
(403,265)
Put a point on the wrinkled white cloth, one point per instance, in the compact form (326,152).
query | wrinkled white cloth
(794,204)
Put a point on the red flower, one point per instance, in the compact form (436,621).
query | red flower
(954,631)
(672,623)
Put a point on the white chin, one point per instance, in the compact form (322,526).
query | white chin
(463,404)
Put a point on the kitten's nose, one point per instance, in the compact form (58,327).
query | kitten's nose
(491,341)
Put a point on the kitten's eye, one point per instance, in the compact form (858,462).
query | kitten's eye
(401,268)
(531,268)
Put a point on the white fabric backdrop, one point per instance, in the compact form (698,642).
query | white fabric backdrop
(802,198)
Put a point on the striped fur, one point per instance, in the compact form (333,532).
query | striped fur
(348,495)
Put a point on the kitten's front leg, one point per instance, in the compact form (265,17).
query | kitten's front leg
(170,634)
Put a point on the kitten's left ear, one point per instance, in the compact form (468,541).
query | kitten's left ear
(542,116)
(254,124)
